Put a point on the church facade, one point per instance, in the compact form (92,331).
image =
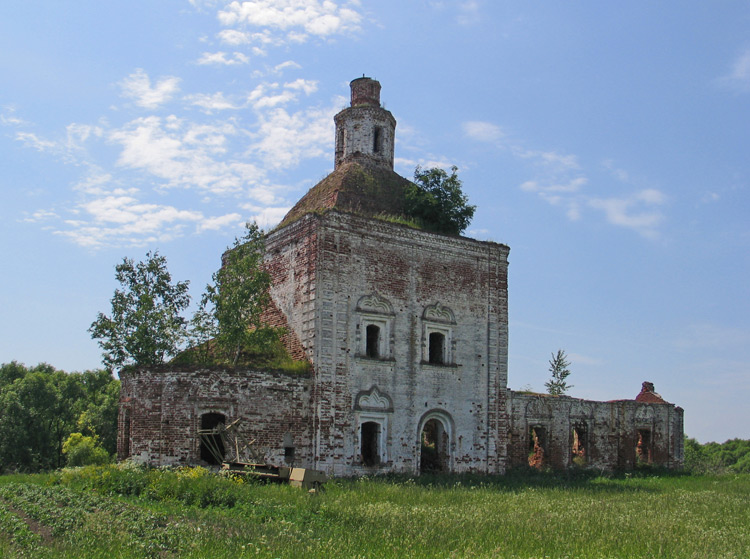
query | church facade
(407,333)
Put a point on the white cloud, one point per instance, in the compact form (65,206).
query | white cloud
(41,215)
(137,86)
(738,77)
(234,37)
(267,218)
(630,213)
(184,154)
(285,138)
(560,181)
(212,102)
(223,59)
(468,12)
(482,131)
(299,18)
(32,140)
(284,65)
(308,86)
(219,222)
(9,118)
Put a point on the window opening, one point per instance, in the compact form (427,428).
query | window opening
(288,454)
(537,446)
(578,449)
(434,447)
(373,341)
(370,443)
(212,444)
(288,443)
(643,447)
(437,348)
(377,140)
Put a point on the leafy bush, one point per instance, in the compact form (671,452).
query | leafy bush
(80,450)
(193,486)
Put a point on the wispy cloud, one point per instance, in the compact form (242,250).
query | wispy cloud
(738,77)
(560,180)
(8,117)
(214,158)
(636,212)
(468,12)
(482,131)
(137,86)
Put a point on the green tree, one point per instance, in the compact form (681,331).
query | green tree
(436,201)
(41,406)
(231,309)
(145,326)
(558,368)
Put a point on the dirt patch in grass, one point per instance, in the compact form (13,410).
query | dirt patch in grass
(44,532)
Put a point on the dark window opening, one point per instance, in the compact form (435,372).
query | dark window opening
(537,446)
(437,348)
(373,341)
(643,447)
(377,140)
(340,142)
(370,443)
(126,433)
(212,443)
(434,447)
(288,454)
(578,448)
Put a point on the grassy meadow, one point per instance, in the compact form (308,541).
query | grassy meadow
(124,511)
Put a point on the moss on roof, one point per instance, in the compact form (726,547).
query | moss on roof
(354,187)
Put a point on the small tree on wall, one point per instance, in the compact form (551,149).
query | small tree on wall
(435,200)
(558,368)
(232,306)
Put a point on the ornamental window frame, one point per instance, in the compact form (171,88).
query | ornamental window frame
(373,407)
(438,319)
(373,310)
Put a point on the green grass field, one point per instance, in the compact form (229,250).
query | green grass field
(111,512)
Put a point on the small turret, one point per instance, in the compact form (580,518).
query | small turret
(365,91)
(365,131)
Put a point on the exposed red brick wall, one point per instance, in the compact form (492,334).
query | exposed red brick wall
(164,409)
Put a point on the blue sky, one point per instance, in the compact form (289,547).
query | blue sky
(606,144)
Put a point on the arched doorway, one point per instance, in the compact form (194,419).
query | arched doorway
(212,443)
(433,443)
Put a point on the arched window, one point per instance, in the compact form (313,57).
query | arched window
(437,348)
(433,442)
(373,341)
(374,328)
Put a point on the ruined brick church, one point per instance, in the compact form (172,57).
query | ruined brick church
(407,334)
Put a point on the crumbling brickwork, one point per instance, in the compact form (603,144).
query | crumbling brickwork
(560,432)
(161,411)
(407,333)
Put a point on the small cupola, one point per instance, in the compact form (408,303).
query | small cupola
(365,131)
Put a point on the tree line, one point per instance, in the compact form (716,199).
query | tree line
(732,456)
(41,408)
